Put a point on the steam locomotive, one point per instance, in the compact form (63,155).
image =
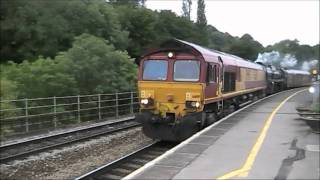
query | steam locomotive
(184,87)
(279,79)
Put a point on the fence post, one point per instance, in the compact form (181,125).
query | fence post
(26,114)
(117,104)
(55,112)
(79,118)
(99,105)
(131,105)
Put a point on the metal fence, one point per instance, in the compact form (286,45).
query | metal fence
(31,115)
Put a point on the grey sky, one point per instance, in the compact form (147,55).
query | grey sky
(268,21)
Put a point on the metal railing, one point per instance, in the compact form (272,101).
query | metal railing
(29,115)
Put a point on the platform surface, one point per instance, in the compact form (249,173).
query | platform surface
(266,140)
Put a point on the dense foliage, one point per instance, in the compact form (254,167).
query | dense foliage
(301,52)
(91,65)
(33,28)
(56,48)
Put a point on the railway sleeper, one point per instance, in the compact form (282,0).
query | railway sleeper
(148,156)
(159,149)
(109,176)
(140,161)
(155,153)
(130,166)
(120,171)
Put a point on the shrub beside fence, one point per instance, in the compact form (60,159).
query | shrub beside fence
(31,115)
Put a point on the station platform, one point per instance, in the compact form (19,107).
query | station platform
(264,140)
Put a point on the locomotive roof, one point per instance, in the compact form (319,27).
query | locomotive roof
(228,59)
(294,71)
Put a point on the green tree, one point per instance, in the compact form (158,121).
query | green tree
(129,2)
(186,8)
(219,41)
(304,52)
(8,89)
(246,47)
(98,67)
(201,14)
(140,22)
(285,46)
(41,78)
(301,52)
(169,25)
(32,28)
(91,66)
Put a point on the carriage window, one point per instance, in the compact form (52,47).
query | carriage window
(229,82)
(186,70)
(155,70)
(211,75)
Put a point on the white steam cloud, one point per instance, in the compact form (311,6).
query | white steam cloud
(277,59)
(307,65)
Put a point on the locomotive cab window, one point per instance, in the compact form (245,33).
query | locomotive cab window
(186,70)
(211,73)
(155,70)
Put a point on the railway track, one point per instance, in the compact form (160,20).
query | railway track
(120,168)
(26,148)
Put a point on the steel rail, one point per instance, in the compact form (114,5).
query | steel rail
(123,166)
(127,124)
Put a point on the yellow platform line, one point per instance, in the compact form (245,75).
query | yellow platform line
(244,170)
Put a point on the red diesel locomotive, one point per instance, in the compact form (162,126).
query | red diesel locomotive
(184,87)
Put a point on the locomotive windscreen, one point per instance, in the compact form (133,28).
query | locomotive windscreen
(186,70)
(155,70)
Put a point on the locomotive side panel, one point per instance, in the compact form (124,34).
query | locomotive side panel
(251,78)
(248,80)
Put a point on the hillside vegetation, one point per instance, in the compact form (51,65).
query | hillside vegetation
(58,48)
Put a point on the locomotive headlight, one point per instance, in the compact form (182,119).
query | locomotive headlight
(312,89)
(170,54)
(144,101)
(314,72)
(192,104)
(149,102)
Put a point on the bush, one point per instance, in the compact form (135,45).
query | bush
(91,66)
(98,67)
(41,78)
